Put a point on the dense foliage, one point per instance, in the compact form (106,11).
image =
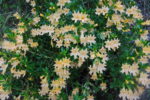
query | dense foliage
(76,50)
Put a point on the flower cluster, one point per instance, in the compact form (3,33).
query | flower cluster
(63,52)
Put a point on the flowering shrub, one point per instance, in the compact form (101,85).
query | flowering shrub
(76,50)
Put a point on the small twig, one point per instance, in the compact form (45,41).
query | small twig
(8,13)
(3,26)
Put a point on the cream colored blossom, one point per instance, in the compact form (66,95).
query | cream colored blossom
(62,73)
(135,12)
(58,64)
(146,50)
(19,39)
(147,22)
(47,29)
(32,44)
(119,7)
(61,3)
(44,86)
(130,69)
(74,52)
(129,94)
(83,54)
(21,30)
(35,32)
(97,68)
(102,50)
(75,91)
(77,16)
(100,67)
(112,44)
(139,43)
(4,94)
(93,70)
(7,45)
(103,86)
(32,3)
(144,80)
(83,40)
(134,69)
(59,43)
(17,97)
(2,61)
(54,18)
(147,69)
(90,97)
(17,15)
(91,39)
(58,83)
(54,91)
(116,18)
(125,68)
(36,20)
(144,36)
(3,68)
(104,10)
(17,73)
(94,76)
(66,62)
(144,60)
(109,22)
(14,61)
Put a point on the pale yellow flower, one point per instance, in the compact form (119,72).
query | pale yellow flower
(61,3)
(103,86)
(134,69)
(4,94)
(59,43)
(66,62)
(32,44)
(144,80)
(17,15)
(47,29)
(77,16)
(83,40)
(146,50)
(55,91)
(116,18)
(58,64)
(144,60)
(33,3)
(90,97)
(91,39)
(7,45)
(17,73)
(2,61)
(83,54)
(19,39)
(93,70)
(75,91)
(112,44)
(58,83)
(104,10)
(62,73)
(94,76)
(74,52)
(147,22)
(44,86)
(144,36)
(119,7)
(125,68)
(36,20)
